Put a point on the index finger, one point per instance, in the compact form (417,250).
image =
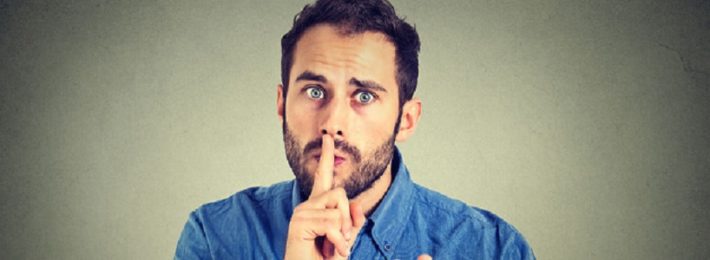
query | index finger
(323,179)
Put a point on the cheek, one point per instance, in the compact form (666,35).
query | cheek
(296,116)
(376,124)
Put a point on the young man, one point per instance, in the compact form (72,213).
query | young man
(349,72)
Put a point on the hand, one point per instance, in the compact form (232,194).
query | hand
(324,226)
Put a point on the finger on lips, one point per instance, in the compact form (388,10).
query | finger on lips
(323,180)
(331,214)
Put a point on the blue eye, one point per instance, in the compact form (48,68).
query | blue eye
(364,97)
(315,92)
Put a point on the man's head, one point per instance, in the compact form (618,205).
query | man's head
(354,17)
(349,69)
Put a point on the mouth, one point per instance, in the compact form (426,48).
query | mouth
(337,161)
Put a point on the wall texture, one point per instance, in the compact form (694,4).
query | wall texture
(585,124)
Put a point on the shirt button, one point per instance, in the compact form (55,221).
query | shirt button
(388,247)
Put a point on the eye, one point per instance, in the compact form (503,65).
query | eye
(364,97)
(315,92)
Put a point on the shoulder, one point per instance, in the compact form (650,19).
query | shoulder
(446,207)
(247,200)
(230,227)
(472,227)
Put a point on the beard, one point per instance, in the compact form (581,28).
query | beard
(368,169)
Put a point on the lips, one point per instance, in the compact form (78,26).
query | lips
(338,160)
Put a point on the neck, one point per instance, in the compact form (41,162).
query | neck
(370,198)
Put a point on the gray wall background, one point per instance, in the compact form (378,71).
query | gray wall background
(583,123)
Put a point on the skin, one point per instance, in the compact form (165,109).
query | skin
(333,107)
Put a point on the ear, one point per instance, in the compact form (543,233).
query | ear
(411,111)
(280,102)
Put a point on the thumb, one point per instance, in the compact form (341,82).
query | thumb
(358,216)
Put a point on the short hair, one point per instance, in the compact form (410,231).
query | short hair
(353,17)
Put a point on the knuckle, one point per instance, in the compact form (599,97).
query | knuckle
(330,219)
(325,221)
(298,217)
(335,237)
(299,208)
(339,191)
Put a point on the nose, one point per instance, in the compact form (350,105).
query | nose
(335,118)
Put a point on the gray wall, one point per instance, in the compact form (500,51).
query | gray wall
(585,124)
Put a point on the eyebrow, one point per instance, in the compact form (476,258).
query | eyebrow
(366,84)
(308,75)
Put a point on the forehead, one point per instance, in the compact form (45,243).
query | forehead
(323,49)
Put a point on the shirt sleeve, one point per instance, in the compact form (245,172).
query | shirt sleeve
(514,245)
(193,242)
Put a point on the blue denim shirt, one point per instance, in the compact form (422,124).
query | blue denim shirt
(411,220)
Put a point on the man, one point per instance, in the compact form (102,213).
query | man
(349,71)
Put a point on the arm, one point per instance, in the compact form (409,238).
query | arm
(513,245)
(192,243)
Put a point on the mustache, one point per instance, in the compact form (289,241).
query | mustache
(341,145)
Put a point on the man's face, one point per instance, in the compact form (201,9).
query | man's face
(344,85)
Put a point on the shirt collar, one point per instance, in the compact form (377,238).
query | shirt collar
(394,209)
(295,196)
